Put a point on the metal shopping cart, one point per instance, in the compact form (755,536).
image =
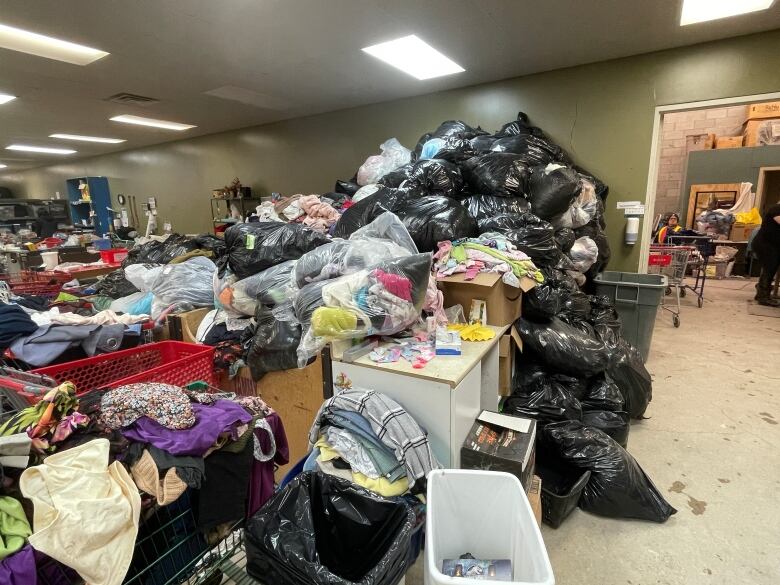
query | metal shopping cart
(698,261)
(671,261)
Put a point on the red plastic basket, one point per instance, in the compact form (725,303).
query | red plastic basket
(170,362)
(659,260)
(113,255)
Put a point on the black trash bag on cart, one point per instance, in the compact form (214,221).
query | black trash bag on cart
(497,173)
(553,189)
(547,400)
(564,348)
(324,530)
(485,207)
(627,370)
(618,487)
(437,177)
(530,234)
(115,285)
(253,247)
(603,394)
(615,423)
(565,239)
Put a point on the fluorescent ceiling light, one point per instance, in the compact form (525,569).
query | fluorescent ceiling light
(25,148)
(2,166)
(32,43)
(151,122)
(415,57)
(5,98)
(694,11)
(87,138)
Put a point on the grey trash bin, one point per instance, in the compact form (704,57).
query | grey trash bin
(636,298)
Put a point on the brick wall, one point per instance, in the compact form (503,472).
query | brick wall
(726,121)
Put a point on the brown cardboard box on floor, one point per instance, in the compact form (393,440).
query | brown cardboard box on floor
(535,498)
(503,301)
(722,142)
(507,348)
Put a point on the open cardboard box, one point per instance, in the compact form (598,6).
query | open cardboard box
(503,301)
(508,346)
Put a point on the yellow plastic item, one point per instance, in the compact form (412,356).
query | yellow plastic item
(476,332)
(752,217)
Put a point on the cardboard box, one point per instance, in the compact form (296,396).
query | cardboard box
(740,232)
(761,132)
(763,111)
(508,345)
(500,442)
(503,301)
(728,142)
(535,498)
(699,142)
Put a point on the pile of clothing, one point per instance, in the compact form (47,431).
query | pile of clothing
(115,464)
(369,439)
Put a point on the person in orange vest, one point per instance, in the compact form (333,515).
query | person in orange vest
(672,227)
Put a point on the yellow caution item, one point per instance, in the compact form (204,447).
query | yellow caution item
(476,332)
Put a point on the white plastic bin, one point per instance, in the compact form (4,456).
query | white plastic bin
(487,514)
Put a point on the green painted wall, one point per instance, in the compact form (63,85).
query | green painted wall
(602,113)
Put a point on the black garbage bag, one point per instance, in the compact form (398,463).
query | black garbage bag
(531,150)
(519,126)
(618,487)
(274,344)
(347,187)
(615,424)
(605,319)
(552,190)
(115,285)
(482,144)
(155,252)
(324,530)
(603,394)
(445,130)
(602,190)
(336,200)
(253,247)
(530,371)
(530,234)
(546,401)
(431,220)
(547,299)
(485,207)
(396,177)
(367,210)
(437,177)
(455,149)
(628,372)
(307,300)
(565,239)
(497,173)
(576,308)
(209,242)
(564,348)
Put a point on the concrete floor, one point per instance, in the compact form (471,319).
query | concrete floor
(711,445)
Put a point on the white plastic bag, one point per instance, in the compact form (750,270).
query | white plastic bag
(142,276)
(584,253)
(185,286)
(394,155)
(364,192)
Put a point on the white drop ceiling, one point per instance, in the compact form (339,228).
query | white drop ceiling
(280,59)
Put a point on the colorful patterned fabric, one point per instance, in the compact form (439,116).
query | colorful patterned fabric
(166,404)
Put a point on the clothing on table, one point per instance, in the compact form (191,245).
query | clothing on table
(32,302)
(15,450)
(14,323)
(319,215)
(190,470)
(164,403)
(86,511)
(211,421)
(14,527)
(487,253)
(49,342)
(261,484)
(223,496)
(392,425)
(107,317)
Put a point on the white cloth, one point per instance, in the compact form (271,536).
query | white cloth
(107,317)
(86,512)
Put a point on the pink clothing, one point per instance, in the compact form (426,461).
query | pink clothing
(400,286)
(319,215)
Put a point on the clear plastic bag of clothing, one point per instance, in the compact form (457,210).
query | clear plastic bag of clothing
(185,286)
(365,191)
(565,348)
(142,276)
(324,530)
(497,173)
(138,303)
(437,177)
(586,207)
(627,370)
(484,207)
(384,238)
(394,155)
(618,487)
(614,423)
(381,300)
(529,233)
(253,247)
(269,287)
(584,253)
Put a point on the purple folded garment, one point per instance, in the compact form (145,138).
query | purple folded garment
(19,568)
(211,420)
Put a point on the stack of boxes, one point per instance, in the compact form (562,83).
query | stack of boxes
(763,125)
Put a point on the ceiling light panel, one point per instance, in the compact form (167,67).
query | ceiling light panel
(32,43)
(87,138)
(42,149)
(140,121)
(414,56)
(694,11)
(5,98)
(2,166)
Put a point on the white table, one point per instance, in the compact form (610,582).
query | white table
(444,397)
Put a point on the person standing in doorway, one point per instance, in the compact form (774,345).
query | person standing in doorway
(766,246)
(672,227)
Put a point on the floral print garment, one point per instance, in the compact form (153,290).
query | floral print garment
(166,404)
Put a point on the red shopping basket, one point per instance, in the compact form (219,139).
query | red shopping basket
(46,283)
(659,259)
(170,362)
